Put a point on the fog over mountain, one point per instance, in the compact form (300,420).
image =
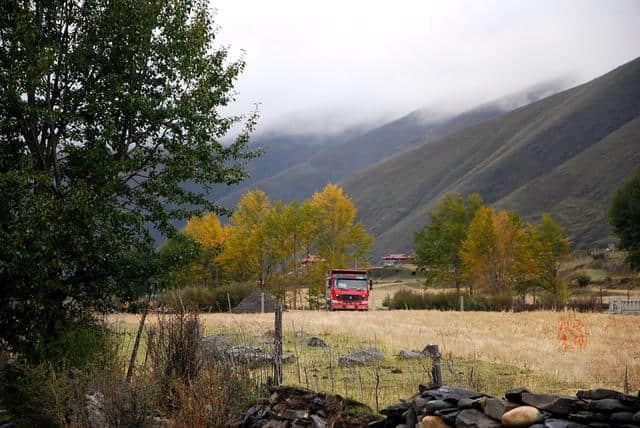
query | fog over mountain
(324,66)
(337,160)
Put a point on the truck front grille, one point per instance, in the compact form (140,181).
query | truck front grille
(350,297)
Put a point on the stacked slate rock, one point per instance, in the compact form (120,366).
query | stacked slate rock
(446,407)
(316,342)
(220,347)
(290,407)
(254,356)
(361,358)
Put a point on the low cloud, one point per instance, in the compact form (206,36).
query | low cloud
(326,66)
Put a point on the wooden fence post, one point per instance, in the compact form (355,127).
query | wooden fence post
(262,303)
(277,348)
(134,352)
(461,303)
(436,370)
(601,297)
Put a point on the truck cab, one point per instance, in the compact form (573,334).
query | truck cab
(348,289)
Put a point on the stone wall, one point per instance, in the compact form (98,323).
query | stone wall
(446,406)
(290,407)
(519,408)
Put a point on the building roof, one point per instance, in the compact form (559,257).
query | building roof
(397,256)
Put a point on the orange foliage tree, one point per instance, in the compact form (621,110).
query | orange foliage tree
(495,251)
(505,254)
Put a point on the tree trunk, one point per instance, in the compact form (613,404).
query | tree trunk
(136,344)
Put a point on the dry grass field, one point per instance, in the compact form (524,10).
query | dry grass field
(492,351)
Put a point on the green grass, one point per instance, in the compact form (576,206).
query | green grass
(318,369)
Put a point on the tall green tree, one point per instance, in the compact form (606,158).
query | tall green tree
(548,244)
(107,109)
(177,257)
(624,216)
(438,244)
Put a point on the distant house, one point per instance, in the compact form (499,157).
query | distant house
(310,259)
(396,259)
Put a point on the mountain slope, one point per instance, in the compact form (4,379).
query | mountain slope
(338,162)
(511,154)
(579,191)
(282,151)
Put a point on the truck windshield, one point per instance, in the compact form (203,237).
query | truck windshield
(351,284)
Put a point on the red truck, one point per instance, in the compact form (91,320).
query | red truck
(348,289)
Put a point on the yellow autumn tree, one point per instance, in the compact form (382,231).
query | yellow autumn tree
(245,256)
(207,231)
(309,230)
(496,253)
(277,249)
(266,242)
(295,227)
(340,241)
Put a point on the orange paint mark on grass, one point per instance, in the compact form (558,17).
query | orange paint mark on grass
(572,333)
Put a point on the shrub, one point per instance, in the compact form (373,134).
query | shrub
(82,347)
(586,304)
(136,307)
(583,280)
(46,396)
(195,391)
(36,395)
(124,404)
(407,299)
(215,398)
(387,301)
(175,381)
(174,352)
(45,393)
(205,299)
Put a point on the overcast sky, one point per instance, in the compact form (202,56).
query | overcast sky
(324,65)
